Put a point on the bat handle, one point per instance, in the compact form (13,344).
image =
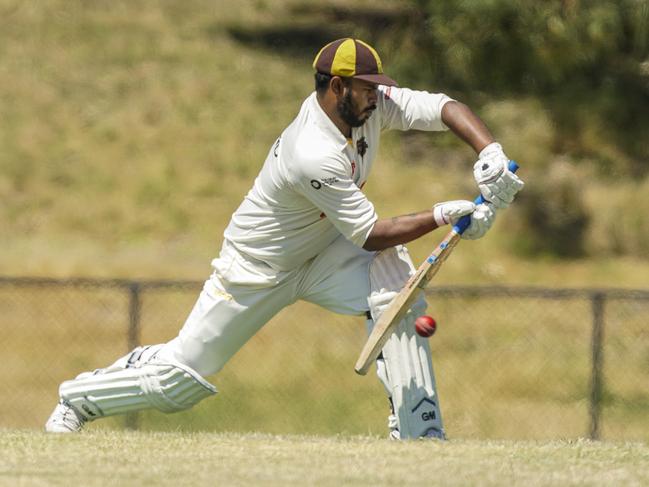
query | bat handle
(464,222)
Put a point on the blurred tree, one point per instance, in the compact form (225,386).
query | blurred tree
(587,60)
(552,217)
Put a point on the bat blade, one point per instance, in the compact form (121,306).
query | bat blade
(418,281)
(401,303)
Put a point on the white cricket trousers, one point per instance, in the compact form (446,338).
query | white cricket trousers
(243,294)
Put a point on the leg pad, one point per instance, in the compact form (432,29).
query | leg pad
(163,385)
(405,366)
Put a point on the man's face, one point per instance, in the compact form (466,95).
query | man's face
(358,102)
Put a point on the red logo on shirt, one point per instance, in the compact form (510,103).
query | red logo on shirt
(353,167)
(386,94)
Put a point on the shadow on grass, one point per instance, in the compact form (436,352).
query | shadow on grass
(285,39)
(312,26)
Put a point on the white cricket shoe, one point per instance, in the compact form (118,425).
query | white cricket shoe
(430,433)
(64,419)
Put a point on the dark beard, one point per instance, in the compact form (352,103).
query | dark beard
(345,109)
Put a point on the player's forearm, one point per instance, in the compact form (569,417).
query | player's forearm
(461,120)
(399,230)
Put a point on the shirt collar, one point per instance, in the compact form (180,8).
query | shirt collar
(323,121)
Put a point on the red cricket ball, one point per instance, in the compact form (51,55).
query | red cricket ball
(425,326)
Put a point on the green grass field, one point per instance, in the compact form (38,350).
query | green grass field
(172,459)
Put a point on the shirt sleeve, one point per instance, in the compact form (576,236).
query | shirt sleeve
(329,187)
(405,109)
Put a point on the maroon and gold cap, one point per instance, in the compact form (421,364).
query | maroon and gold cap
(352,58)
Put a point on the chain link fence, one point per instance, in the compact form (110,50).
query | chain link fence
(513,363)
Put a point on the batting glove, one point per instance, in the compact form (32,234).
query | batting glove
(451,211)
(481,221)
(497,183)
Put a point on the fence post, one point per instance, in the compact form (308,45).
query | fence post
(131,420)
(597,357)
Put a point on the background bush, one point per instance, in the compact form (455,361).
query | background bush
(577,75)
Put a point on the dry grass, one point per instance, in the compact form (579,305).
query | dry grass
(507,368)
(129,134)
(129,459)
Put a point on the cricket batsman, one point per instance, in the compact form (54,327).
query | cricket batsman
(306,231)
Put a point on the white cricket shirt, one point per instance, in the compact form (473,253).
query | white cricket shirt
(309,189)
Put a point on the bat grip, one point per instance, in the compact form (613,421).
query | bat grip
(464,222)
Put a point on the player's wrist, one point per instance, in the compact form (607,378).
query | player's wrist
(451,211)
(491,150)
(438,215)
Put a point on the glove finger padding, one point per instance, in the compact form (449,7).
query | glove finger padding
(481,221)
(451,211)
(497,183)
(501,192)
(380,301)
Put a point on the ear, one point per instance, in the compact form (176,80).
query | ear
(337,86)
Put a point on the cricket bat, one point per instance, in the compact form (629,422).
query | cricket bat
(417,282)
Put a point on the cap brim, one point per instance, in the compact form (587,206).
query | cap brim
(379,79)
